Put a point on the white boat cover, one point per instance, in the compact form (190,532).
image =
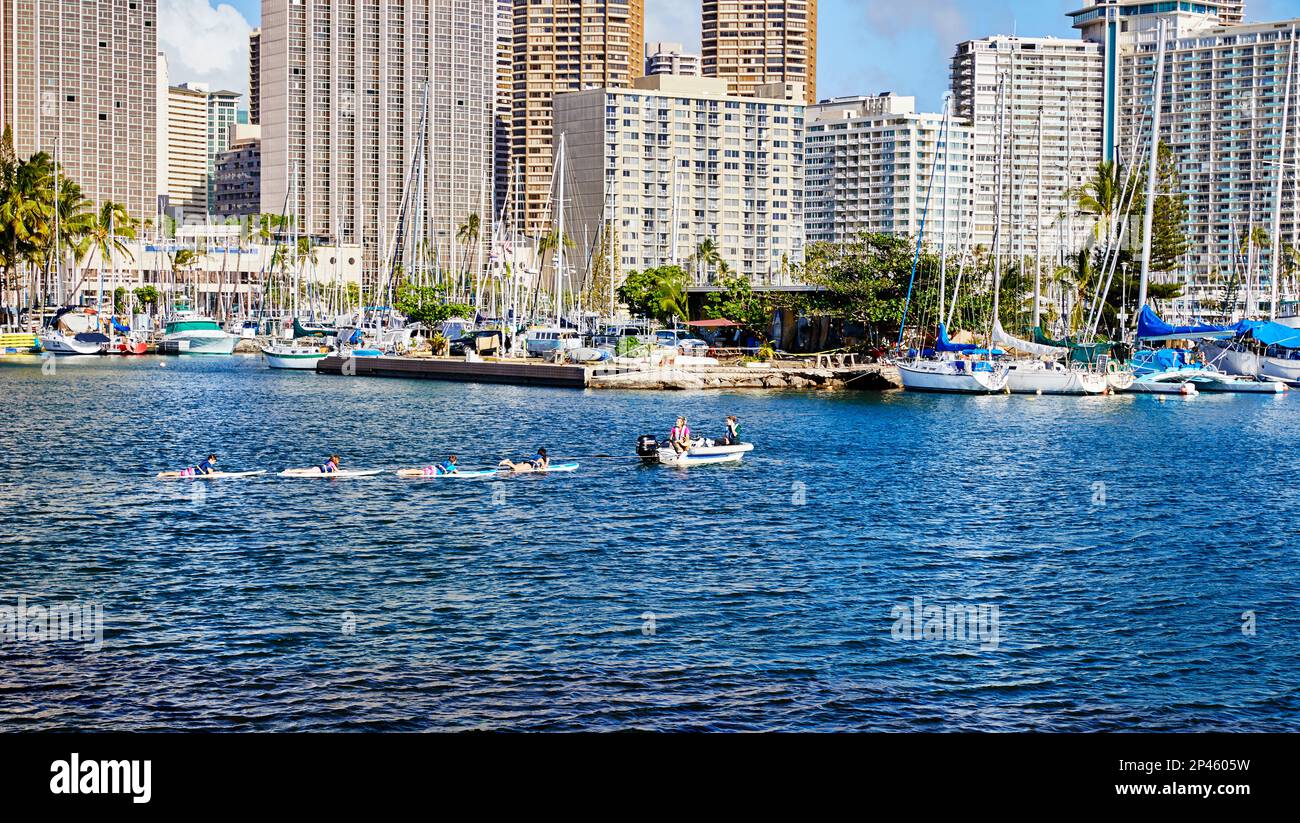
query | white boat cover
(1001,337)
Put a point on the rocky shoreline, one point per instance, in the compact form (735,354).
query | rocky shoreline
(869,378)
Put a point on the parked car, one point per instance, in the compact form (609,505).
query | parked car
(486,342)
(684,341)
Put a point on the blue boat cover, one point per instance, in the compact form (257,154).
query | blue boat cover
(91,337)
(943,344)
(1270,334)
(121,328)
(1151,327)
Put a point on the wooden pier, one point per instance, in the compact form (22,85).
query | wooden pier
(513,373)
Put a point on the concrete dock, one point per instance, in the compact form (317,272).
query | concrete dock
(799,376)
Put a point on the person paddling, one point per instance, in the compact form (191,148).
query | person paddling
(538,462)
(680,436)
(330,466)
(448,466)
(208,466)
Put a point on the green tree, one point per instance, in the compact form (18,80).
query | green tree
(1169,243)
(428,305)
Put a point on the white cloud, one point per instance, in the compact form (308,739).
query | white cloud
(941,18)
(674,21)
(204,44)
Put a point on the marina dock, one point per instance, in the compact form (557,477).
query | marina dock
(533,373)
(514,373)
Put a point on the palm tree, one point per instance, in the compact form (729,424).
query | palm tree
(706,255)
(670,294)
(1102,198)
(467,234)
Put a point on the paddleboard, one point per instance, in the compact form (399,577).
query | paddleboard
(341,474)
(213,476)
(552,469)
(460,475)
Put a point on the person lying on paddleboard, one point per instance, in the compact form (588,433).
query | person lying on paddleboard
(538,462)
(208,466)
(447,467)
(680,436)
(732,436)
(330,466)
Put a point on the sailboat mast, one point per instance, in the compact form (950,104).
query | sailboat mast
(943,238)
(997,207)
(1153,168)
(1276,246)
(1038,228)
(559,257)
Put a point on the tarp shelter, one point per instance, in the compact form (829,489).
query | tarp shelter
(720,323)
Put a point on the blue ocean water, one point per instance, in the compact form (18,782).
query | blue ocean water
(1140,553)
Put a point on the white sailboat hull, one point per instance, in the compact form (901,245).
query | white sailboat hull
(952,377)
(1036,377)
(1250,364)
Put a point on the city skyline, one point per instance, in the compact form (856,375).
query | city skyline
(864,46)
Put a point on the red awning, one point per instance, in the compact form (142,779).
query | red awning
(712,324)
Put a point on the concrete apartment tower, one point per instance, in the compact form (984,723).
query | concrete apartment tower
(1053,87)
(1231,119)
(81,78)
(562,46)
(342,90)
(869,164)
(670,58)
(682,162)
(255,77)
(752,43)
(187,152)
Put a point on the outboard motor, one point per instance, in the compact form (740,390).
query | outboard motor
(647,448)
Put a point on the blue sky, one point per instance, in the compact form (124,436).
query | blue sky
(864,46)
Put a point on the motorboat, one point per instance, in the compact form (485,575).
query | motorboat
(295,356)
(191,333)
(57,342)
(702,452)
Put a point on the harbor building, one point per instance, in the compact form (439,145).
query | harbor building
(1053,88)
(342,91)
(670,58)
(255,77)
(227,272)
(674,161)
(237,181)
(873,164)
(187,152)
(78,81)
(752,43)
(562,46)
(1226,112)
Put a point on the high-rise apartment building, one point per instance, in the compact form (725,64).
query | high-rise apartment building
(237,180)
(752,43)
(78,80)
(873,164)
(1232,124)
(223,115)
(1050,87)
(674,161)
(255,76)
(187,152)
(342,92)
(670,58)
(562,46)
(502,170)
